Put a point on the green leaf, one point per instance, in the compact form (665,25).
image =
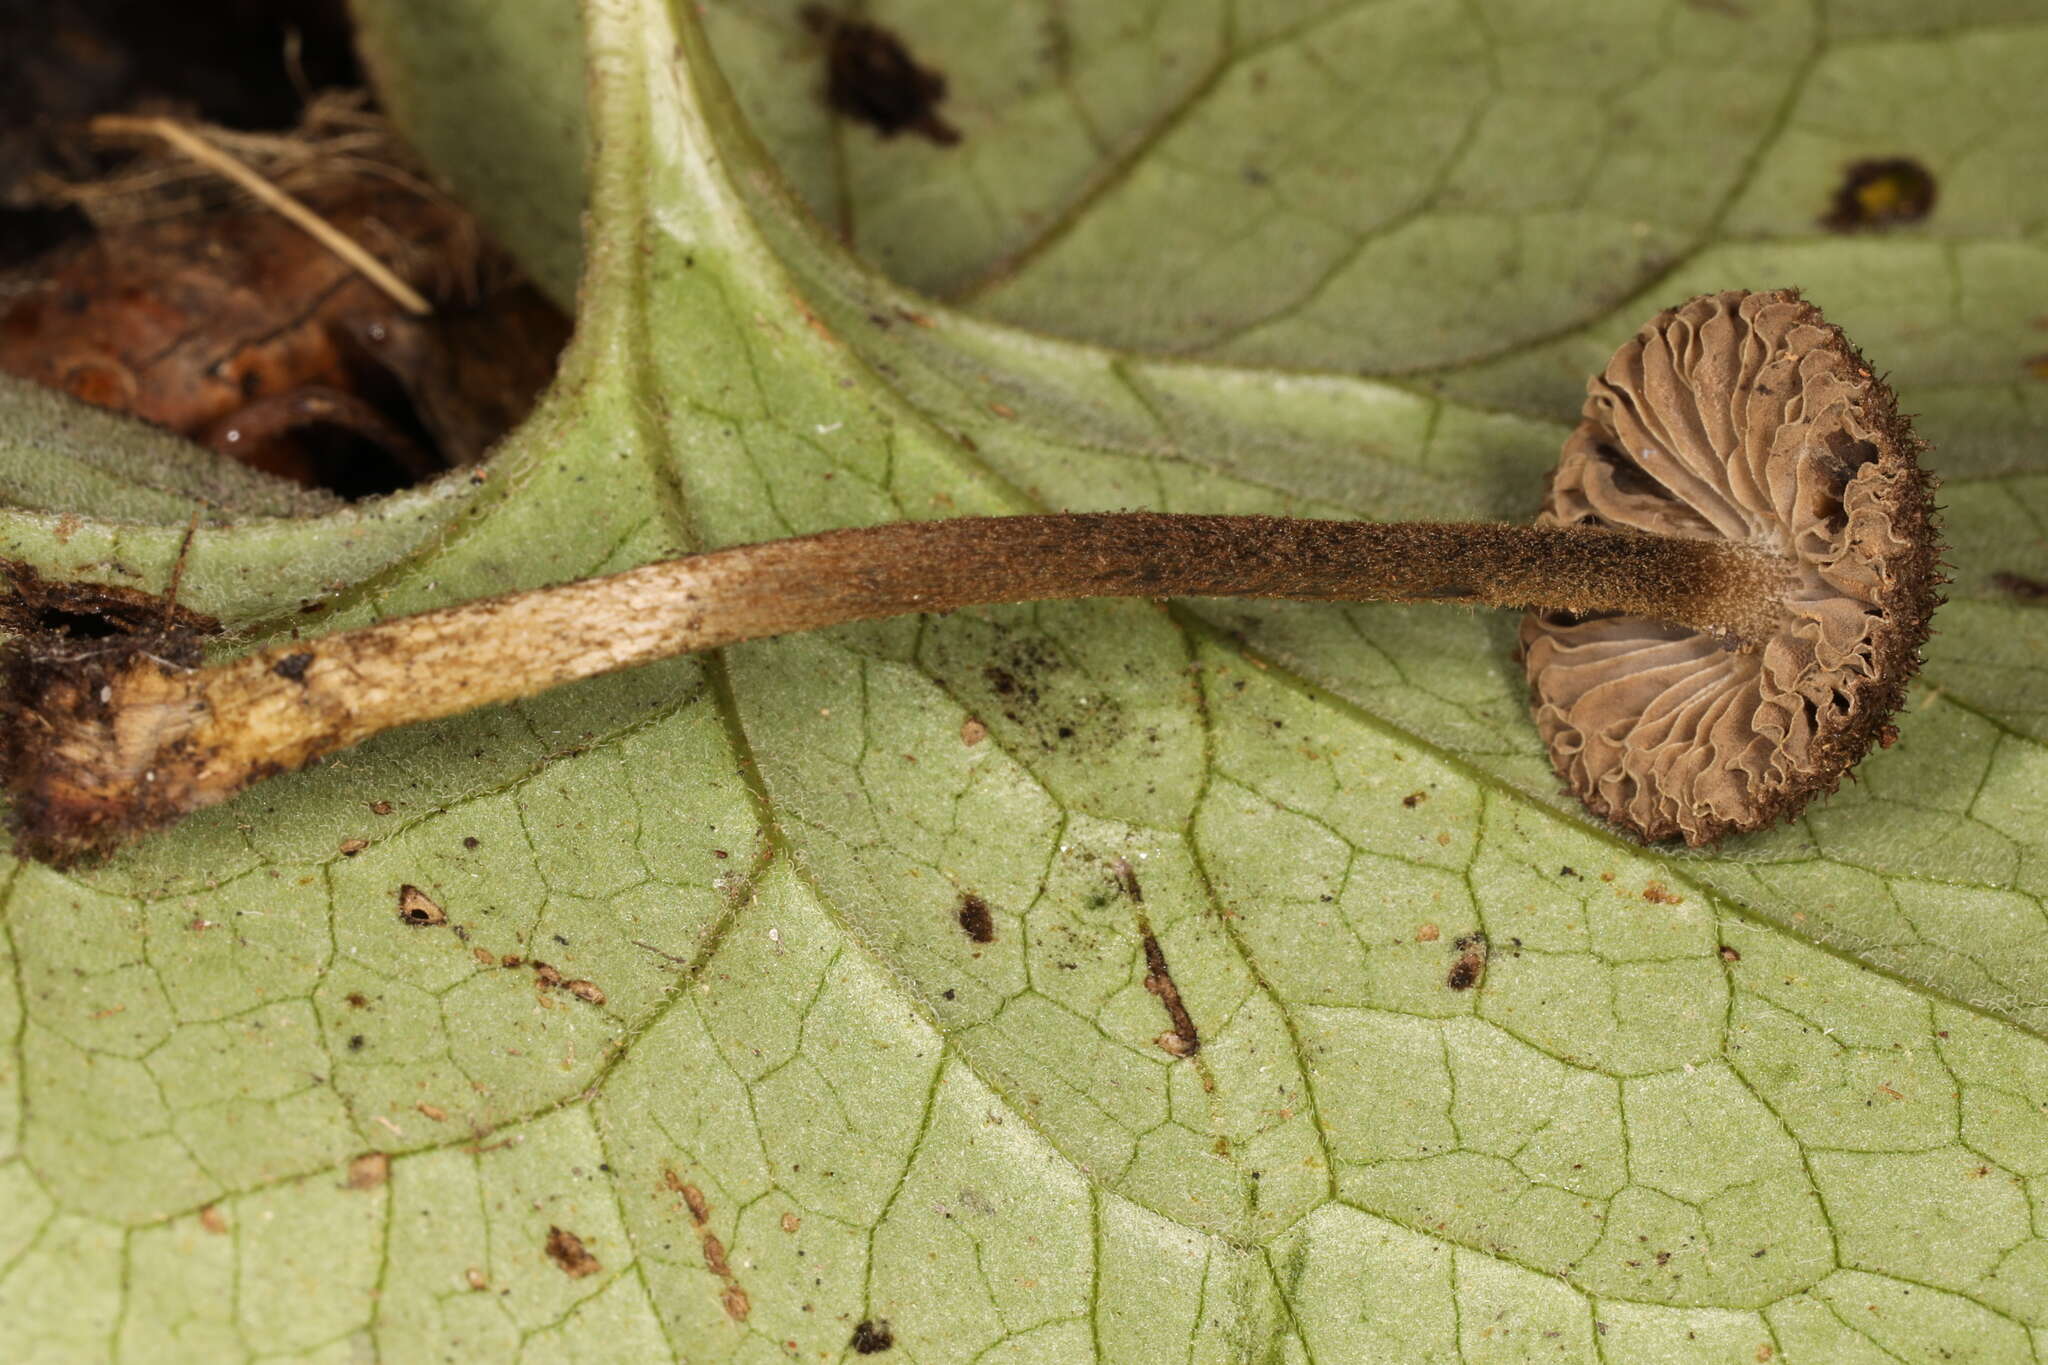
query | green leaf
(1787,1098)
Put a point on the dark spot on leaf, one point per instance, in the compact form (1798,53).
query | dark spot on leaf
(872,1337)
(1730,954)
(1414,799)
(2020,586)
(566,1250)
(292,667)
(357,1000)
(1879,194)
(871,77)
(1470,968)
(471,841)
(419,909)
(355,1042)
(975,920)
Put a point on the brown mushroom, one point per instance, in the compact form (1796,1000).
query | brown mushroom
(1735,568)
(1745,418)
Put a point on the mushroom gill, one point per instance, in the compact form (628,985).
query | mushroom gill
(1743,417)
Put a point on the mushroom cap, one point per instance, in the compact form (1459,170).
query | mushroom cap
(1747,418)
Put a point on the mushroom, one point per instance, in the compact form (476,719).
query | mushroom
(1747,419)
(1733,573)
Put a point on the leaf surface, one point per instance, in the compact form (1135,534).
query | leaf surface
(1788,1098)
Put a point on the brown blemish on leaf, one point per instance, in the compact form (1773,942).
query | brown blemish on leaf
(1428,933)
(432,1111)
(975,920)
(1659,894)
(872,1337)
(1880,194)
(1729,954)
(871,77)
(474,1277)
(381,808)
(1414,799)
(790,1222)
(2020,586)
(368,1171)
(1470,968)
(357,1000)
(213,1220)
(1182,1041)
(419,909)
(972,732)
(587,991)
(349,848)
(733,1298)
(566,1250)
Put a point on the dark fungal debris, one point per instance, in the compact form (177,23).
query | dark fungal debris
(1880,194)
(872,1337)
(293,667)
(2020,587)
(567,1251)
(1470,967)
(871,77)
(975,920)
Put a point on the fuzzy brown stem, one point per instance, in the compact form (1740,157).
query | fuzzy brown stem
(101,752)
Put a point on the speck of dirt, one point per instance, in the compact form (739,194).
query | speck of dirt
(1880,194)
(871,77)
(1428,933)
(1470,967)
(213,1220)
(432,1111)
(872,1337)
(1659,894)
(790,1222)
(368,1171)
(355,1042)
(1729,954)
(419,909)
(357,1000)
(381,808)
(351,847)
(1569,871)
(474,1277)
(587,991)
(566,1250)
(975,920)
(972,732)
(292,667)
(1414,799)
(471,841)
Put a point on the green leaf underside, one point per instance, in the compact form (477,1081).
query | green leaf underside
(1789,1097)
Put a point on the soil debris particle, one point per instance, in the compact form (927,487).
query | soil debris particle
(975,920)
(733,1299)
(381,808)
(474,1277)
(368,1171)
(292,667)
(1879,194)
(1470,968)
(871,77)
(1656,893)
(213,1220)
(736,1303)
(1414,799)
(419,909)
(1729,954)
(587,991)
(972,732)
(1428,933)
(566,1250)
(351,847)
(64,614)
(872,1337)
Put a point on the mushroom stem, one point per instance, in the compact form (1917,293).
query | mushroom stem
(102,750)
